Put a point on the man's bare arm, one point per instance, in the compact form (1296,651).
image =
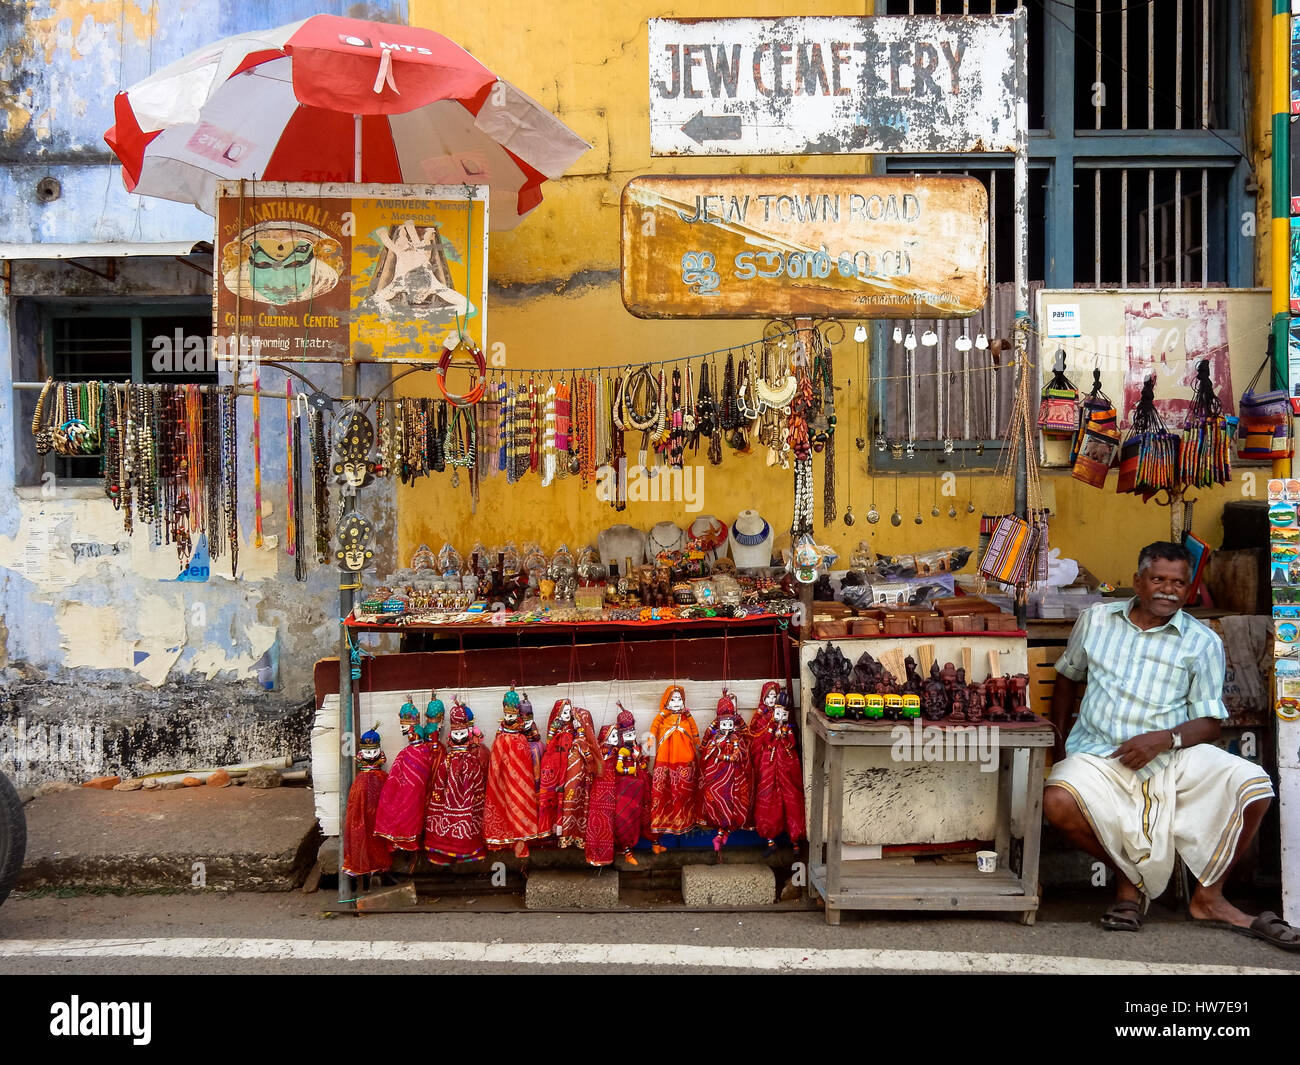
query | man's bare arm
(1065,693)
(1138,751)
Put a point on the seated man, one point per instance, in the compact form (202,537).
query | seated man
(1143,778)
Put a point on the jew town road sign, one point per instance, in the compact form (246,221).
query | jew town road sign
(750,246)
(824,85)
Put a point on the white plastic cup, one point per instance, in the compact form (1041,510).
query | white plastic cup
(986,861)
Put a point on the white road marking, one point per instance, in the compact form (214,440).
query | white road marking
(640,955)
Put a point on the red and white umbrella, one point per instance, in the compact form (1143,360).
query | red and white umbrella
(300,102)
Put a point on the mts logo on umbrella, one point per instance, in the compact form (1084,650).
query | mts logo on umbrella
(353,41)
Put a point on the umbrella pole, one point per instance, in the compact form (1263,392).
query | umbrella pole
(348,584)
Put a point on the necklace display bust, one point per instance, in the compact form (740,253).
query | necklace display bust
(665,536)
(618,543)
(751,540)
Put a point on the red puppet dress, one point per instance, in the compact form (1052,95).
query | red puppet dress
(726,777)
(453,825)
(631,789)
(510,809)
(778,779)
(400,815)
(674,785)
(363,851)
(601,801)
(568,766)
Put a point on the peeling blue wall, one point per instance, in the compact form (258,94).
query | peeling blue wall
(62,64)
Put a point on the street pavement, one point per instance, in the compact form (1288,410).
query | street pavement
(291,933)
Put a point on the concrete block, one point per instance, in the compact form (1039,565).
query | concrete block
(328,855)
(560,889)
(401,897)
(728,885)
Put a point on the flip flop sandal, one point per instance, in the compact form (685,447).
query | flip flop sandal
(1268,926)
(1124,916)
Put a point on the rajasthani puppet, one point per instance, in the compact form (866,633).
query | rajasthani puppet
(768,700)
(778,779)
(400,816)
(726,778)
(528,726)
(568,765)
(632,787)
(510,810)
(453,826)
(674,784)
(364,852)
(601,801)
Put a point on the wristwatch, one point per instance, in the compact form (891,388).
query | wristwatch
(1175,740)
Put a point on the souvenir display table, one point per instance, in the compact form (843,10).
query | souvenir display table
(851,803)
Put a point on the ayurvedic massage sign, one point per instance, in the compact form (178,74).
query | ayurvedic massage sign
(822,85)
(313,272)
(738,246)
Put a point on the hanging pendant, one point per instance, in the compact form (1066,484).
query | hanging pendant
(970,507)
(911,450)
(880,442)
(896,519)
(952,510)
(896,450)
(848,516)
(963,343)
(873,515)
(898,335)
(934,511)
(909,341)
(948,445)
(982,342)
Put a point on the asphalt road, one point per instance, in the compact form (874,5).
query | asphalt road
(289,934)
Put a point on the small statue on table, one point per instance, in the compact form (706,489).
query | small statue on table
(934,700)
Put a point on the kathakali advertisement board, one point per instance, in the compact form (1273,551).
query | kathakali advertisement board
(763,246)
(321,272)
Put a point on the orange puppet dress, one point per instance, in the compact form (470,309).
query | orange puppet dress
(510,810)
(674,784)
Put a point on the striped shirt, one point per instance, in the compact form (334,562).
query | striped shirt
(1140,681)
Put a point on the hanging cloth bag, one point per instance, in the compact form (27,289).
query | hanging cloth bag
(1058,407)
(1264,432)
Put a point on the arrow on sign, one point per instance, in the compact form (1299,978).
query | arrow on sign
(712,128)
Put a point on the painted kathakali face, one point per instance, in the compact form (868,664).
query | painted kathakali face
(281,263)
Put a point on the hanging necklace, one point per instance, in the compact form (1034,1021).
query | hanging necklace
(751,539)
(320,487)
(230,474)
(896,519)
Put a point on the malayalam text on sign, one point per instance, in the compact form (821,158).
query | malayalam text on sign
(751,246)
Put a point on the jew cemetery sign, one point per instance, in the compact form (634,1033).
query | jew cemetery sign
(750,246)
(320,271)
(823,85)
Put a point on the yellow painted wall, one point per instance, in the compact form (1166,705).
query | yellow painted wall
(588,63)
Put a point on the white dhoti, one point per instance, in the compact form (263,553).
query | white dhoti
(1194,808)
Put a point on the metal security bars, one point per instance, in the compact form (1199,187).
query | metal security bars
(1139,178)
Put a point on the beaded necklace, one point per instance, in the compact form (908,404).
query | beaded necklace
(230,472)
(548,439)
(320,488)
